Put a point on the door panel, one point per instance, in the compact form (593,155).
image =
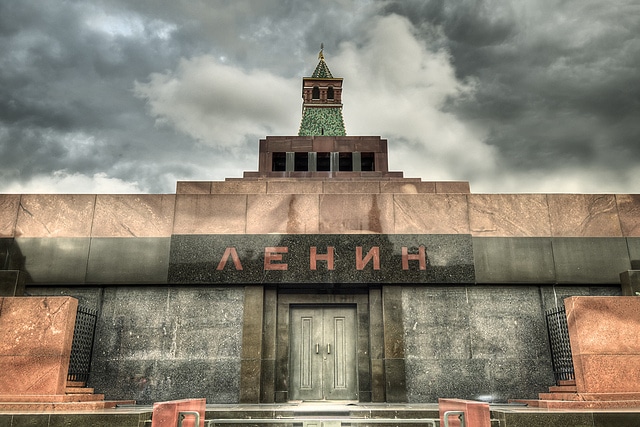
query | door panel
(323,353)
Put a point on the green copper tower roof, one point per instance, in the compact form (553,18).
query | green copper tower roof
(322,70)
(322,121)
(322,103)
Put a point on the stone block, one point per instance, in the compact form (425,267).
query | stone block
(9,204)
(451,187)
(548,419)
(613,419)
(377,380)
(321,259)
(356,213)
(12,258)
(250,376)
(407,186)
(504,324)
(193,187)
(35,344)
(590,260)
(520,377)
(294,187)
(509,215)
(629,212)
(153,343)
(55,215)
(268,380)
(133,215)
(476,414)
(436,308)
(54,260)
(282,213)
(584,215)
(210,214)
(513,260)
(630,281)
(167,414)
(351,187)
(238,187)
(429,379)
(605,343)
(395,380)
(633,243)
(252,322)
(12,283)
(431,214)
(392,322)
(121,260)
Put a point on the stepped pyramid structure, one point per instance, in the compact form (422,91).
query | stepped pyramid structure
(324,276)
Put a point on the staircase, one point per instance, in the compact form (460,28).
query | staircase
(565,396)
(77,397)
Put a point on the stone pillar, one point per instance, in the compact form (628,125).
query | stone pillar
(270,321)
(394,361)
(376,339)
(251,358)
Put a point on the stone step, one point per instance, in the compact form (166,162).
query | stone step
(78,390)
(52,398)
(591,404)
(76,384)
(560,396)
(563,389)
(60,406)
(589,397)
(533,403)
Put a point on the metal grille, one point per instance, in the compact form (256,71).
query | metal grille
(82,345)
(560,345)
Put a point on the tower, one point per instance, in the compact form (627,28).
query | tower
(322,149)
(322,103)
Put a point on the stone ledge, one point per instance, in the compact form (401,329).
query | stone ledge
(50,398)
(61,406)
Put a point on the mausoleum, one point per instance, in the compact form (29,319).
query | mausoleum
(323,275)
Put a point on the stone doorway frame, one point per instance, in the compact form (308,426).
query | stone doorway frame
(264,366)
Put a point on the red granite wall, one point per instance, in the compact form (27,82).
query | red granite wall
(605,343)
(35,344)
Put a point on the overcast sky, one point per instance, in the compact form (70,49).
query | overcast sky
(130,96)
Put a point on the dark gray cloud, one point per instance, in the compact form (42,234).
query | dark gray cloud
(130,96)
(556,81)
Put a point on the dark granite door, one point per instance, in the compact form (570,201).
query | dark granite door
(323,353)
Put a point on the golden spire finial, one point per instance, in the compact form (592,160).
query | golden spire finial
(321,54)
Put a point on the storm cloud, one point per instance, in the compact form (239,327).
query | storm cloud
(125,96)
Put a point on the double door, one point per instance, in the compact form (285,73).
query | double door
(323,353)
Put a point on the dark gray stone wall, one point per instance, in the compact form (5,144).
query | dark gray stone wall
(162,343)
(487,342)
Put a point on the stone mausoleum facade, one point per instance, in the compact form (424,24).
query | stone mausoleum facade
(321,276)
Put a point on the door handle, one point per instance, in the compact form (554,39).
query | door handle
(317,348)
(328,348)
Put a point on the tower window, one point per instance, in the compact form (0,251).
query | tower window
(324,162)
(279,162)
(367,162)
(330,93)
(315,93)
(301,162)
(346,162)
